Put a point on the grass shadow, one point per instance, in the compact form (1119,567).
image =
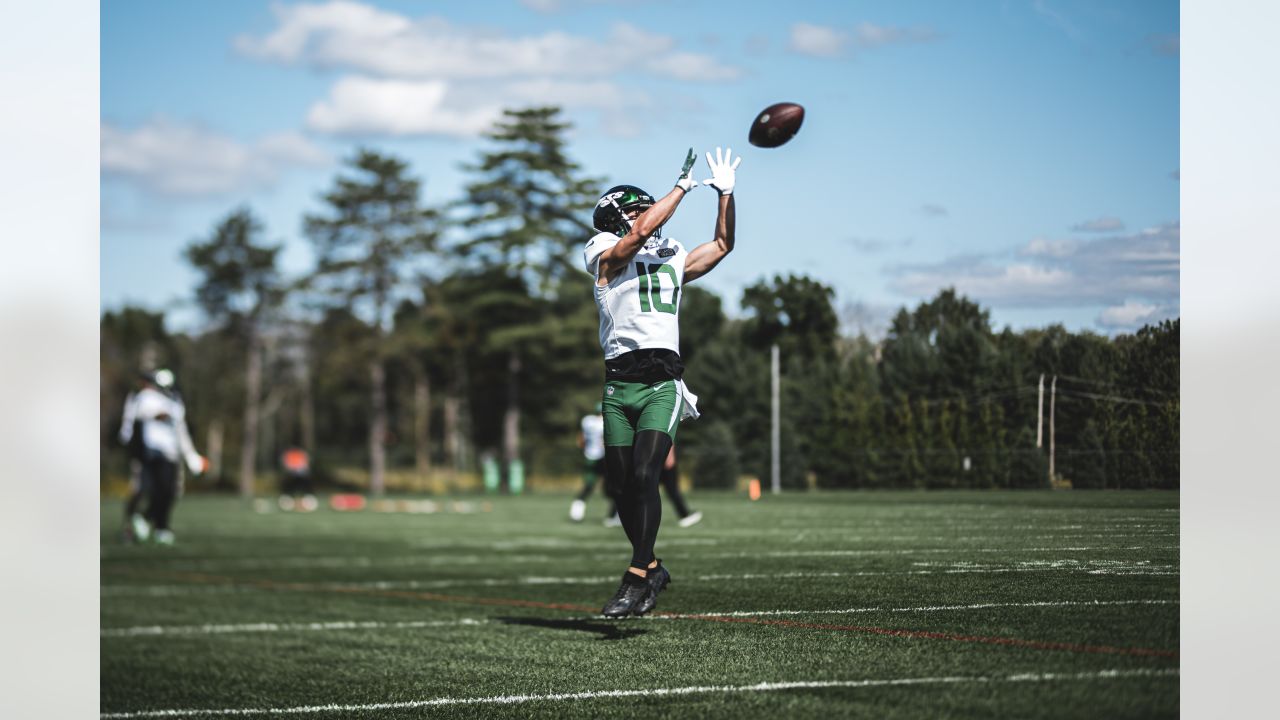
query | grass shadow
(605,629)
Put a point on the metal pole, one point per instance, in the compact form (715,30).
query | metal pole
(1053,395)
(1040,414)
(776,434)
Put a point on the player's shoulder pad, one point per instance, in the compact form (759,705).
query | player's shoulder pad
(595,247)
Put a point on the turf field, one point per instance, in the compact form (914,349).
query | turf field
(894,604)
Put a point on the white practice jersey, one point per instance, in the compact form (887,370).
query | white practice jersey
(593,437)
(641,307)
(164,425)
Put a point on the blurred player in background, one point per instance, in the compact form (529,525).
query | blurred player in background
(135,527)
(154,423)
(591,440)
(638,275)
(296,491)
(671,483)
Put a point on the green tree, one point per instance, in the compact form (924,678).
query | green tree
(525,216)
(239,288)
(909,469)
(796,314)
(1029,465)
(370,238)
(528,206)
(715,458)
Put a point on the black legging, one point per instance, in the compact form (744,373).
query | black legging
(631,479)
(161,474)
(671,483)
(139,488)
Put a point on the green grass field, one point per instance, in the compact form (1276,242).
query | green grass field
(894,604)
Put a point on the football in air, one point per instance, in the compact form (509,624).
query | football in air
(776,124)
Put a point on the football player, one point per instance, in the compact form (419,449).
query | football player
(638,276)
(591,440)
(671,483)
(156,417)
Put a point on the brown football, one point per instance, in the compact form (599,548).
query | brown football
(776,124)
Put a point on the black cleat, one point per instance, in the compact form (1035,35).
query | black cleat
(630,592)
(657,580)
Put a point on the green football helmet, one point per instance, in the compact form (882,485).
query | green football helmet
(610,215)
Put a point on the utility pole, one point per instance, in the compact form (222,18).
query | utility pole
(1053,395)
(1040,414)
(775,464)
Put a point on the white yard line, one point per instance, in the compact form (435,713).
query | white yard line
(324,561)
(930,551)
(211,589)
(267,627)
(159,630)
(649,692)
(919,609)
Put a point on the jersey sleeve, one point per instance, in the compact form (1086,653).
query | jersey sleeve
(596,247)
(126,421)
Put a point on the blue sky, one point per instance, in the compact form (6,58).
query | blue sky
(1025,152)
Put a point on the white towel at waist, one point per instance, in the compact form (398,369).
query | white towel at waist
(690,402)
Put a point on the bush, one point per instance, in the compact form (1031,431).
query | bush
(715,459)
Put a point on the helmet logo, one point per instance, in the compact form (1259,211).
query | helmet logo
(607,199)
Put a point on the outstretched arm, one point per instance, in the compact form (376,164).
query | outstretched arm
(616,258)
(706,256)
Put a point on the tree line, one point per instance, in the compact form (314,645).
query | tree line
(429,340)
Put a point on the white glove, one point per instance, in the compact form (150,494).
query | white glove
(722,171)
(686,182)
(196,463)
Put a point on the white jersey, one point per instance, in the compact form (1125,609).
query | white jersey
(640,308)
(164,426)
(593,437)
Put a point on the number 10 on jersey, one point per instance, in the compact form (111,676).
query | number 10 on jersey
(651,287)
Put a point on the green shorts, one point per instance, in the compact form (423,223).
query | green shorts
(632,407)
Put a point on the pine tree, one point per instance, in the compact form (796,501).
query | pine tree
(240,287)
(374,232)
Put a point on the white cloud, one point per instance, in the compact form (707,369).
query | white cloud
(576,93)
(1102,224)
(545,7)
(361,105)
(1048,248)
(988,282)
(692,67)
(1124,271)
(327,30)
(428,76)
(1132,315)
(177,159)
(868,35)
(549,7)
(291,148)
(817,40)
(867,245)
(357,37)
(830,42)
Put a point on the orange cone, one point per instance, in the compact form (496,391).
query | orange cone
(753,490)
